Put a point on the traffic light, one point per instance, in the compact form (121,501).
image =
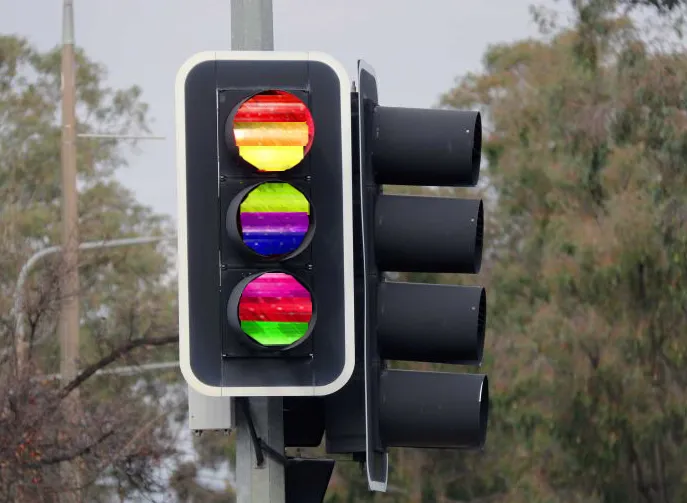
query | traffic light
(265,224)
(412,321)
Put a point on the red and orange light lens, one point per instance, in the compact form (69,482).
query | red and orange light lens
(273,131)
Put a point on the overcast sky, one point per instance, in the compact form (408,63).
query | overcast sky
(417,48)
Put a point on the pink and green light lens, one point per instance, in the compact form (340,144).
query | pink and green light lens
(274,219)
(275,309)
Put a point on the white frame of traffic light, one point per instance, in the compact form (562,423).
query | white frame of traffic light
(182,261)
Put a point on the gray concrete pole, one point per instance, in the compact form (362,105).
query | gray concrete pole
(252,29)
(252,25)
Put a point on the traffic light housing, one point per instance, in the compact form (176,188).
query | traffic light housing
(265,239)
(413,321)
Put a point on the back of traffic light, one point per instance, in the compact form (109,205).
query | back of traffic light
(265,224)
(410,321)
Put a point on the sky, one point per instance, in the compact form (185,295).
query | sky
(416,48)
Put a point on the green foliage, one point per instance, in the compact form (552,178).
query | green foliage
(587,160)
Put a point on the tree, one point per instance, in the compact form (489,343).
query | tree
(586,155)
(120,434)
(660,5)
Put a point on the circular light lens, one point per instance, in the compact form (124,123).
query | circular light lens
(273,130)
(275,309)
(274,219)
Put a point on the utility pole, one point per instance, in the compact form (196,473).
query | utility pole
(69,279)
(252,28)
(69,316)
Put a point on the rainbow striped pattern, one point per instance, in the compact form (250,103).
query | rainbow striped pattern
(273,130)
(275,309)
(274,219)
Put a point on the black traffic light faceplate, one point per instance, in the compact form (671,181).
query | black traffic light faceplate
(210,175)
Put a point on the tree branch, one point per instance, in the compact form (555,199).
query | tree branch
(113,356)
(72,455)
(142,431)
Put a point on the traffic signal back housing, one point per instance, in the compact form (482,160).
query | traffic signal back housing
(410,321)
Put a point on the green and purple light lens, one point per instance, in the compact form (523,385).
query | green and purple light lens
(275,309)
(274,219)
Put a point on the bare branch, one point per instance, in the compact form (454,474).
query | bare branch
(113,356)
(69,456)
(146,428)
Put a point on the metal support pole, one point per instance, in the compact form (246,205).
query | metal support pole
(109,136)
(265,483)
(252,25)
(127,370)
(252,28)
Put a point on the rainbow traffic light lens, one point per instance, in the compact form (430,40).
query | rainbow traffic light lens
(273,130)
(274,219)
(275,309)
